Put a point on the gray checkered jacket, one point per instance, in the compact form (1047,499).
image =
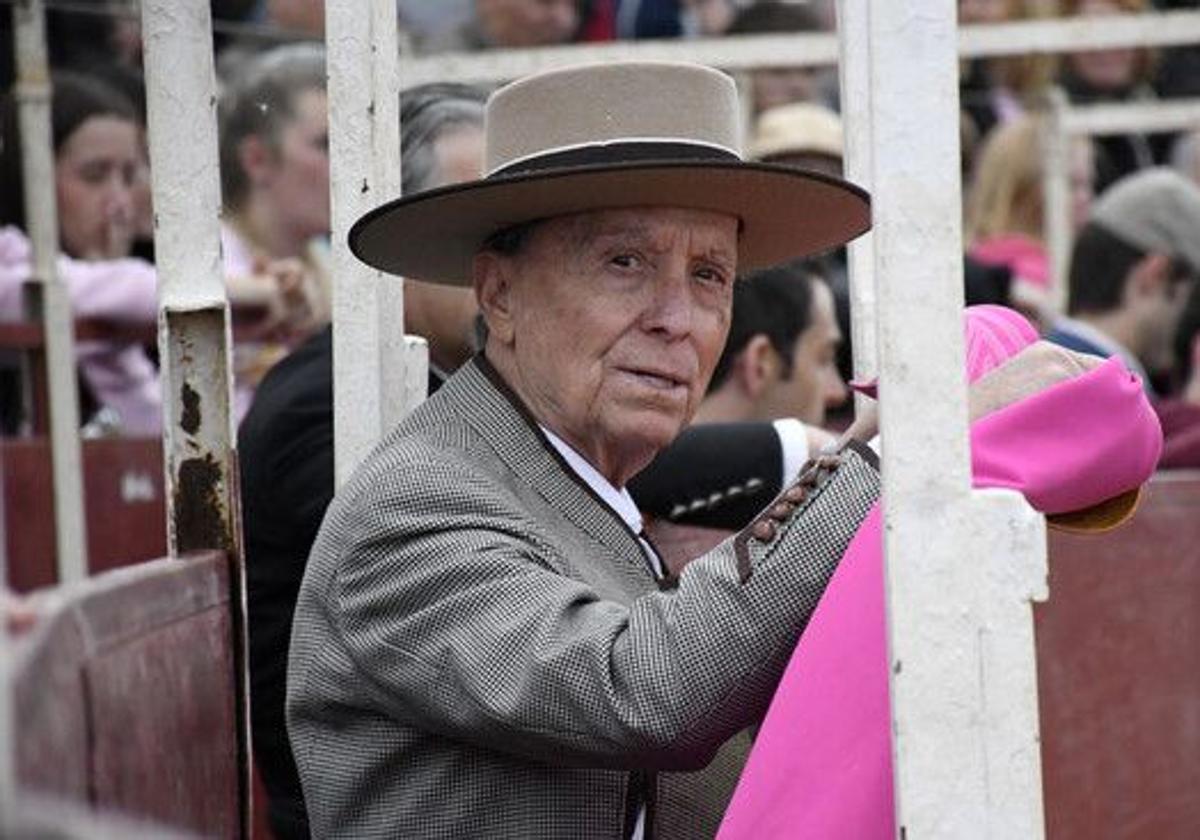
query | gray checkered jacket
(480,649)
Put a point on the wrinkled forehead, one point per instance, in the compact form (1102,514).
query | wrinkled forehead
(655,226)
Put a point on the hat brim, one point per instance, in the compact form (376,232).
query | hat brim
(785,213)
(1100,517)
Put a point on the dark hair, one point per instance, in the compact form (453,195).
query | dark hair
(773,16)
(75,100)
(1185,335)
(428,113)
(775,302)
(1100,264)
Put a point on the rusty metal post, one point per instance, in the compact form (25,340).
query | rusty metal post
(50,300)
(194,324)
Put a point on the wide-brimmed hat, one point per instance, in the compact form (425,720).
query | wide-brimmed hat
(593,137)
(800,128)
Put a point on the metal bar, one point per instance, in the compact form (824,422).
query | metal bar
(1055,150)
(364,146)
(1062,122)
(1146,117)
(194,323)
(963,701)
(856,108)
(746,52)
(50,299)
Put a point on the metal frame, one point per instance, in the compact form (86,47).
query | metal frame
(194,324)
(1062,122)
(47,296)
(379,373)
(745,52)
(961,567)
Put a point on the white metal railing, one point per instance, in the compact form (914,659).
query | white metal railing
(961,566)
(379,373)
(1062,123)
(745,52)
(49,298)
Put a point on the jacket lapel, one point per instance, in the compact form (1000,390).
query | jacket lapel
(500,417)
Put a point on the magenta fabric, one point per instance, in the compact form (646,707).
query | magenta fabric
(1023,255)
(821,764)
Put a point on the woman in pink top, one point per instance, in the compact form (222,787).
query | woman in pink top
(97,162)
(821,765)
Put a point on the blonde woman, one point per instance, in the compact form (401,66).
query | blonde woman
(1005,217)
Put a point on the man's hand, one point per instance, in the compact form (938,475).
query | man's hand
(1039,366)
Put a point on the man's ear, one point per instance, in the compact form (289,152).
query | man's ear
(1149,276)
(757,366)
(493,292)
(255,158)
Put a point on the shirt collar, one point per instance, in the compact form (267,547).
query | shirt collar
(616,498)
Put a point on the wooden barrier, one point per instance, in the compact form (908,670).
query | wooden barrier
(1118,652)
(123,497)
(1119,673)
(125,690)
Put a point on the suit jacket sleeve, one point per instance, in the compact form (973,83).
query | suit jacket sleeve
(467,623)
(716,475)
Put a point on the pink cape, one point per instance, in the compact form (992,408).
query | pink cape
(821,766)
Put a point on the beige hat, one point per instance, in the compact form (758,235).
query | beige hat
(802,128)
(592,137)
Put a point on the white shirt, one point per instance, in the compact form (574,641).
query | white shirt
(620,501)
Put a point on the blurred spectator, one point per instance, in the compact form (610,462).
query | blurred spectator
(424,20)
(1132,267)
(995,90)
(1005,210)
(804,134)
(1185,155)
(1180,415)
(97,158)
(779,360)
(274,150)
(512,24)
(775,86)
(674,18)
(1114,75)
(300,18)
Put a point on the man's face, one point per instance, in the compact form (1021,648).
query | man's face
(1159,315)
(528,23)
(609,324)
(813,384)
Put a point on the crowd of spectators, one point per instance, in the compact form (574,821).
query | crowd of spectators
(274,161)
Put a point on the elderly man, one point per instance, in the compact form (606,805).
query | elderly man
(484,645)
